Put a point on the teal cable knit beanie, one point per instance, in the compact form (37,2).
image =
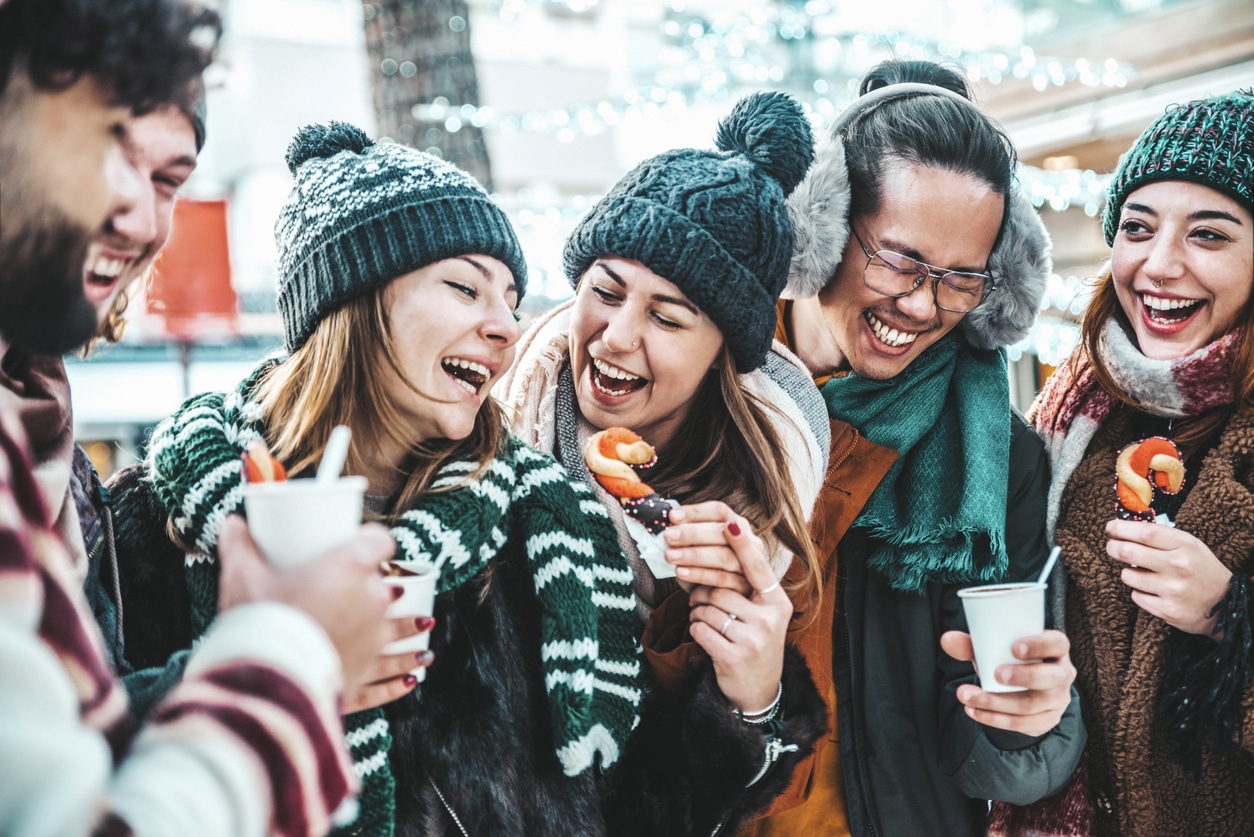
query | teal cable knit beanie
(1210,141)
(363,213)
(714,223)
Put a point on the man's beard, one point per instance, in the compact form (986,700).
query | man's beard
(42,304)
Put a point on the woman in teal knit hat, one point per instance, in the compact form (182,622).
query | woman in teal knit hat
(1160,395)
(677,272)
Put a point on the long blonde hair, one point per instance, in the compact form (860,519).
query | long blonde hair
(733,453)
(334,378)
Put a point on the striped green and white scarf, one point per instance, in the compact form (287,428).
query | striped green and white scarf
(590,648)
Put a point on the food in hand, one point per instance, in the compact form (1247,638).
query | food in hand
(1145,473)
(261,466)
(613,456)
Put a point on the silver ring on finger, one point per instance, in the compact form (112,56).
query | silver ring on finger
(731,617)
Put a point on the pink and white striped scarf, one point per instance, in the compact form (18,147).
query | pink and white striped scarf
(1072,407)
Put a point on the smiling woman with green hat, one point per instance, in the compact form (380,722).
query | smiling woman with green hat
(677,272)
(1159,610)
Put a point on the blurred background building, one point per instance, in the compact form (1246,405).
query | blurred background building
(549,102)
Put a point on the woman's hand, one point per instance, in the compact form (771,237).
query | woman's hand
(1047,678)
(741,629)
(698,546)
(341,590)
(390,677)
(1173,575)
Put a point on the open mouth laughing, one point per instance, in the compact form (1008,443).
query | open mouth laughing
(612,381)
(103,269)
(467,374)
(1168,311)
(888,335)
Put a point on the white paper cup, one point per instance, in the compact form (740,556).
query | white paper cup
(417,599)
(295,521)
(997,616)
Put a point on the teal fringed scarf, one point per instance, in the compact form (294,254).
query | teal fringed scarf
(590,649)
(940,512)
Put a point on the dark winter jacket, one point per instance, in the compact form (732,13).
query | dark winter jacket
(469,734)
(912,761)
(1121,652)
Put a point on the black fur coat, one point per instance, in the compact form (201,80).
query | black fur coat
(477,732)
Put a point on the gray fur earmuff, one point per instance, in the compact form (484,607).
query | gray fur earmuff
(819,210)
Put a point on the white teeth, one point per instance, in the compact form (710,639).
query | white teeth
(890,336)
(613,371)
(468,364)
(602,388)
(104,266)
(1160,304)
(465,385)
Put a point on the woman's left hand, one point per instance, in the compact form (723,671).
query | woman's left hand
(742,633)
(1173,575)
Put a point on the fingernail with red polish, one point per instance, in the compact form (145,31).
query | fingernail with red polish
(424,658)
(424,623)
(734,528)
(410,681)
(397,592)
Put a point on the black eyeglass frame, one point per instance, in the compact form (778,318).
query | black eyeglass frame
(933,272)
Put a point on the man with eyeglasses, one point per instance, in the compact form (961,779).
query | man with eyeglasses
(915,260)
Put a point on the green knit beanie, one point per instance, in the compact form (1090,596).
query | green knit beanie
(363,213)
(1210,141)
(715,223)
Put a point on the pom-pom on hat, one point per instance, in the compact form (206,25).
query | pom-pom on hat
(714,223)
(363,213)
(1210,141)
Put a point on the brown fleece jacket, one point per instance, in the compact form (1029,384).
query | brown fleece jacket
(1120,650)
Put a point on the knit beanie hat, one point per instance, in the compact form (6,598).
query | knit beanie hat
(714,223)
(363,213)
(1210,141)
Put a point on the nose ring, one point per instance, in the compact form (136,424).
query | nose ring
(635,343)
(1157,283)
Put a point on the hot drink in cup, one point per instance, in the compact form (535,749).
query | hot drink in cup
(295,521)
(998,615)
(417,582)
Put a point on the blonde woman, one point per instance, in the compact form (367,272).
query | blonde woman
(398,289)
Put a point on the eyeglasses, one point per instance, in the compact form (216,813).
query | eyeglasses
(895,275)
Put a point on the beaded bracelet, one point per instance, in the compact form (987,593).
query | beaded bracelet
(764,716)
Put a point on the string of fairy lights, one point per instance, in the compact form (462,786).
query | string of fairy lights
(711,53)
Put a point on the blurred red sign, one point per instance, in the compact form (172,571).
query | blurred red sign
(191,288)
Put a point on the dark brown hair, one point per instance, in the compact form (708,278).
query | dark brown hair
(143,51)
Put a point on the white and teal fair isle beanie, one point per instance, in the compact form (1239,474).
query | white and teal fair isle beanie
(363,213)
